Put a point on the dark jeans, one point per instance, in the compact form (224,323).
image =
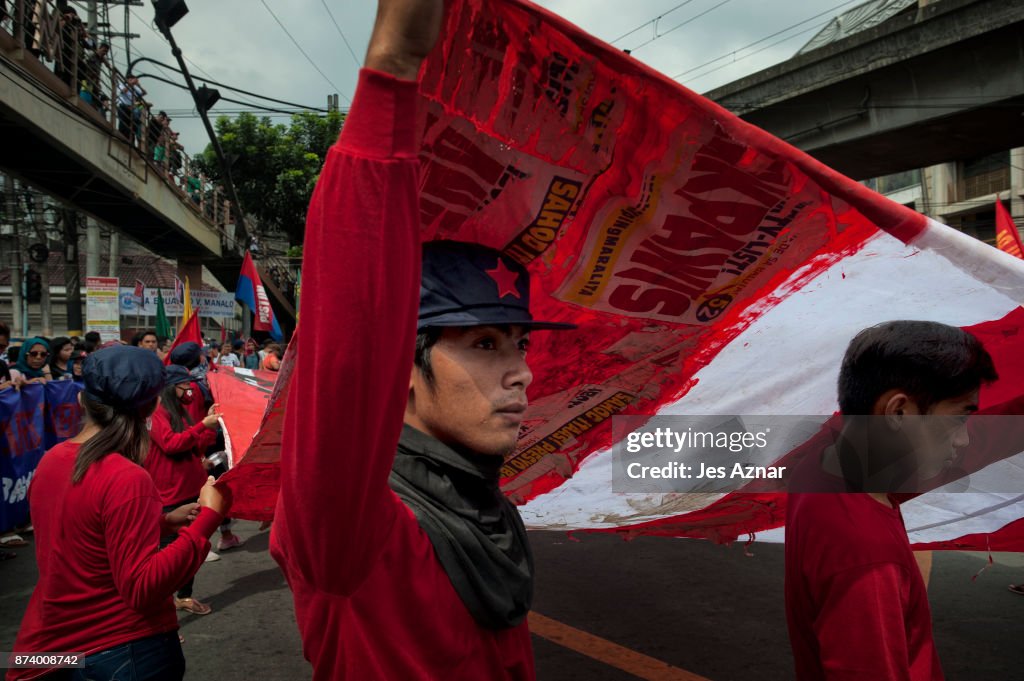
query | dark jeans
(157,658)
(186,590)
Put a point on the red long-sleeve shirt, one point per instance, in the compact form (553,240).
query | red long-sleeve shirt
(103,579)
(175,460)
(856,604)
(371,599)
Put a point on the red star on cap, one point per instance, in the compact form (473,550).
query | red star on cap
(505,279)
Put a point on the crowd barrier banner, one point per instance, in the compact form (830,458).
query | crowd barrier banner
(33,419)
(710,267)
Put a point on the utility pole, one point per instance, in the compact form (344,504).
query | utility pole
(38,221)
(72,279)
(92,17)
(204,99)
(17,319)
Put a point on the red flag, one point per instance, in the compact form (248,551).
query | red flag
(140,293)
(1007,236)
(189,332)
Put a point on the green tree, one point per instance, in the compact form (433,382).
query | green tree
(275,166)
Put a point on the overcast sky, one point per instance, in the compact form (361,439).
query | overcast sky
(238,42)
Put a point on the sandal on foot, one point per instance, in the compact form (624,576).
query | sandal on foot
(1017,589)
(192,605)
(12,541)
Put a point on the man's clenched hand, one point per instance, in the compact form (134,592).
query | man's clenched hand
(403,35)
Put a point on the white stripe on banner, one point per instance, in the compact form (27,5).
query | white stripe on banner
(787,363)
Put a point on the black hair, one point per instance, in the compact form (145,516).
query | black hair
(425,341)
(12,353)
(930,362)
(136,339)
(5,330)
(55,346)
(176,412)
(121,431)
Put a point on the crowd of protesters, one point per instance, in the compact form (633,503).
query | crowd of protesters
(185,443)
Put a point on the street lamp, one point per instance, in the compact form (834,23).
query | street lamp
(168,13)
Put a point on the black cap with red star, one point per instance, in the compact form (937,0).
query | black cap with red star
(468,284)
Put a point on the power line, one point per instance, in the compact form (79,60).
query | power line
(680,25)
(654,21)
(767,37)
(236,89)
(226,99)
(296,43)
(342,34)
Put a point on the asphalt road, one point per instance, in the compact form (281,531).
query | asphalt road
(652,608)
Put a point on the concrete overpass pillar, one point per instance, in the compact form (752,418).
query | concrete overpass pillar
(1017,186)
(92,248)
(115,256)
(939,188)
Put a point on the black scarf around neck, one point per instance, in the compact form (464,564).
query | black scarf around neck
(476,532)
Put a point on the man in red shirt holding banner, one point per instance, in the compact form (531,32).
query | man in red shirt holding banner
(412,566)
(856,603)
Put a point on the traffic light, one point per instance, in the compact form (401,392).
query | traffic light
(33,286)
(206,97)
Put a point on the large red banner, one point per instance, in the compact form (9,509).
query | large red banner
(672,233)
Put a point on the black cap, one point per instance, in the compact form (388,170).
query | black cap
(175,374)
(123,376)
(186,354)
(468,284)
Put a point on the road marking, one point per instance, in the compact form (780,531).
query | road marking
(612,654)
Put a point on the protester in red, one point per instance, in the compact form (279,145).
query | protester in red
(175,460)
(104,586)
(856,603)
(411,565)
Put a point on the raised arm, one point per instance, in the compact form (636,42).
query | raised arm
(360,297)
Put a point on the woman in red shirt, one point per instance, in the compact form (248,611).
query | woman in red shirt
(176,460)
(104,585)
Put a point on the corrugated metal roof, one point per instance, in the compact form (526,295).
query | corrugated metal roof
(152,270)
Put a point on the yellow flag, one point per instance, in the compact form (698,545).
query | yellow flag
(186,313)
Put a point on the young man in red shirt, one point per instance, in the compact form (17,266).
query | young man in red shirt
(856,603)
(408,566)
